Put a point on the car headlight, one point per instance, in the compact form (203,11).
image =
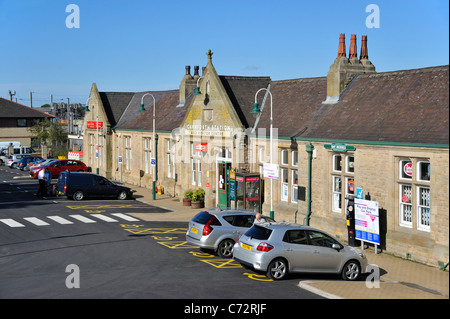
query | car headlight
(362,255)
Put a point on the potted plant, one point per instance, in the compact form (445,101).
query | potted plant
(187,198)
(198,198)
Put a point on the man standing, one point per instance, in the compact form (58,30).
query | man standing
(41,177)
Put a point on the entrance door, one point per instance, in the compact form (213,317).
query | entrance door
(223,179)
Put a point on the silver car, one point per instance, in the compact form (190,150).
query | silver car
(219,230)
(280,248)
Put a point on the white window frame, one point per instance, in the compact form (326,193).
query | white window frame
(423,208)
(294,185)
(284,172)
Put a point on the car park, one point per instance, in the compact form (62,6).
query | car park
(281,248)
(219,229)
(24,161)
(60,165)
(79,186)
(14,159)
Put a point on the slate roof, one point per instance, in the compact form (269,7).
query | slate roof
(410,106)
(167,115)
(114,104)
(9,109)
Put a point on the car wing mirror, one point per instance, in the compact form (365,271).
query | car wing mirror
(336,246)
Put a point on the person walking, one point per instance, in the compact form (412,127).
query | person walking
(48,180)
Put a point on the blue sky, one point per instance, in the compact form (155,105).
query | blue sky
(138,45)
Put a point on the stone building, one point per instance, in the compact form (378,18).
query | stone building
(383,133)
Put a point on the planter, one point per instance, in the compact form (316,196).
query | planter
(197,204)
(186,202)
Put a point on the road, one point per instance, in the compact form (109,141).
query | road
(60,248)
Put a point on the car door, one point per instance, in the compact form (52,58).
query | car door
(297,251)
(324,258)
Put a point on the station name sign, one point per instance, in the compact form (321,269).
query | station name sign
(339,147)
(208,130)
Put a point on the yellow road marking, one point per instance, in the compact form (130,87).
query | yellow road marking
(222,263)
(176,244)
(257,277)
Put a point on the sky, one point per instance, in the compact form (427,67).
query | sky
(141,45)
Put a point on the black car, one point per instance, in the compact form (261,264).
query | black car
(81,185)
(23,162)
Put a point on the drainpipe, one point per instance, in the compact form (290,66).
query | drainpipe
(309,150)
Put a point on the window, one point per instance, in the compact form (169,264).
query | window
(296,236)
(294,185)
(128,152)
(414,193)
(196,168)
(21,122)
(342,180)
(284,184)
(284,157)
(147,155)
(294,158)
(170,158)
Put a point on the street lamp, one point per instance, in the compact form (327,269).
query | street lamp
(154,140)
(256,110)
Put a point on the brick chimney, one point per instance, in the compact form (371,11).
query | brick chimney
(343,70)
(364,56)
(187,85)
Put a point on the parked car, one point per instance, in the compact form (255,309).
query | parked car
(24,161)
(14,159)
(58,166)
(219,230)
(280,248)
(41,162)
(82,185)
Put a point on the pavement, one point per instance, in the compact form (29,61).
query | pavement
(398,278)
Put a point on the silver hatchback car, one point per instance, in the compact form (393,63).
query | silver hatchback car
(280,248)
(218,230)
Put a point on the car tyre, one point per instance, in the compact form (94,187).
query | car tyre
(78,195)
(225,248)
(122,195)
(351,271)
(278,269)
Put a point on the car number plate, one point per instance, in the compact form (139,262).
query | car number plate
(245,246)
(194,230)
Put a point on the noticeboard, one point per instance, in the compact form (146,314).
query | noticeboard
(367,221)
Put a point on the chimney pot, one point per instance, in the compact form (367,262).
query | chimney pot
(364,55)
(341,50)
(188,70)
(353,50)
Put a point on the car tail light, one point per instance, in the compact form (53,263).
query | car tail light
(207,229)
(264,247)
(65,187)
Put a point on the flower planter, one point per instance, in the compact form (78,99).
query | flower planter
(186,202)
(197,204)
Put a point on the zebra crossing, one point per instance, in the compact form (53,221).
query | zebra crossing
(67,220)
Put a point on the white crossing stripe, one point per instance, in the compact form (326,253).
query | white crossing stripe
(60,220)
(36,221)
(105,218)
(126,217)
(11,223)
(83,219)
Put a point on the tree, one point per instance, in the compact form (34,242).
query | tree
(49,133)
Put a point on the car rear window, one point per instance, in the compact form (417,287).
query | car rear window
(203,217)
(258,232)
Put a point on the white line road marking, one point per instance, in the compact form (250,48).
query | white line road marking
(105,218)
(11,223)
(83,219)
(126,217)
(60,220)
(36,221)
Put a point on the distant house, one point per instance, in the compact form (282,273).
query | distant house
(16,119)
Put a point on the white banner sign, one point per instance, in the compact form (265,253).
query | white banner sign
(367,221)
(271,170)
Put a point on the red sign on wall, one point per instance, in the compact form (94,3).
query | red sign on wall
(201,147)
(93,124)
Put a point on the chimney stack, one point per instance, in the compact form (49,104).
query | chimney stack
(344,70)
(187,85)
(341,49)
(196,75)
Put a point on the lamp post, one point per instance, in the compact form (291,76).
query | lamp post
(154,141)
(257,110)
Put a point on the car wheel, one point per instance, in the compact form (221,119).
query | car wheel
(278,269)
(351,270)
(225,249)
(122,195)
(13,165)
(78,195)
